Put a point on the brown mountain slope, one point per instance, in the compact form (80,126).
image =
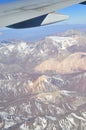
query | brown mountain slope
(74,63)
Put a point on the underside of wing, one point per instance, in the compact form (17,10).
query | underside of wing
(33,13)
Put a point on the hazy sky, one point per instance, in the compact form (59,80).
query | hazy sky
(77,13)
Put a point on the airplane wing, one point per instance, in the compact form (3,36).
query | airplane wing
(31,13)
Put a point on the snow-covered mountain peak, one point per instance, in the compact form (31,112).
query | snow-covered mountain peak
(22,46)
(62,42)
(10,47)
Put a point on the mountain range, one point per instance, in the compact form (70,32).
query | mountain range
(43,84)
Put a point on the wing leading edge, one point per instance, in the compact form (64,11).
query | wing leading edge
(23,14)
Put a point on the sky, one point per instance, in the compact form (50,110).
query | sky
(76,13)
